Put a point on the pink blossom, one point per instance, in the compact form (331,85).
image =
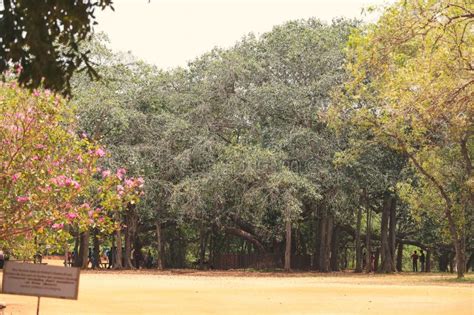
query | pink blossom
(140,181)
(36,93)
(99,152)
(121,172)
(76,184)
(128,183)
(71,215)
(22,199)
(15,177)
(105,173)
(57,226)
(40,146)
(90,213)
(68,182)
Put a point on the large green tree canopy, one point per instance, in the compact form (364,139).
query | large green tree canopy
(42,37)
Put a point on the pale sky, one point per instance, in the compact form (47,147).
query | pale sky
(169,33)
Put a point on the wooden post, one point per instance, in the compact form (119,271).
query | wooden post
(38,306)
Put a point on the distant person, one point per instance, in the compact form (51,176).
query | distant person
(422,261)
(414,258)
(364,257)
(37,258)
(109,258)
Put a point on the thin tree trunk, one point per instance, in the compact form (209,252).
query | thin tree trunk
(322,249)
(84,250)
(335,250)
(96,250)
(327,247)
(400,257)
(66,255)
(368,256)
(118,250)
(287,246)
(202,248)
(128,249)
(77,258)
(317,244)
(428,261)
(376,262)
(358,249)
(469,262)
(159,245)
(392,232)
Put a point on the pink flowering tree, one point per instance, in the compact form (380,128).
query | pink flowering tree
(49,179)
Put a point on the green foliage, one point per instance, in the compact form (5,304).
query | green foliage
(43,39)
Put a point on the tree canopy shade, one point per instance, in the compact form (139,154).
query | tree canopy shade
(412,88)
(43,37)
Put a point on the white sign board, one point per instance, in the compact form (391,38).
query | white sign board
(40,280)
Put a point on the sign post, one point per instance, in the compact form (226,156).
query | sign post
(40,280)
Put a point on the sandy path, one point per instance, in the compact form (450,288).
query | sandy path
(139,293)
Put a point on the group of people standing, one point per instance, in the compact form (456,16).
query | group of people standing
(415,257)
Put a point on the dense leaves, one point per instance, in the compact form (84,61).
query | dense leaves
(43,38)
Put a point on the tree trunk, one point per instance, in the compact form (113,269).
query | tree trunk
(358,249)
(443,261)
(288,246)
(457,235)
(66,255)
(128,249)
(400,257)
(96,249)
(202,248)
(326,236)
(428,261)
(392,232)
(247,236)
(384,237)
(470,262)
(77,258)
(376,262)
(159,246)
(322,249)
(118,250)
(335,250)
(84,250)
(327,255)
(317,244)
(460,258)
(368,256)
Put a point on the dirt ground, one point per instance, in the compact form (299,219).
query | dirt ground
(185,292)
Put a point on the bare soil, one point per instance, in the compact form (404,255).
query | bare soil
(237,292)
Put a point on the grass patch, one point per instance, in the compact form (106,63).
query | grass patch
(468,278)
